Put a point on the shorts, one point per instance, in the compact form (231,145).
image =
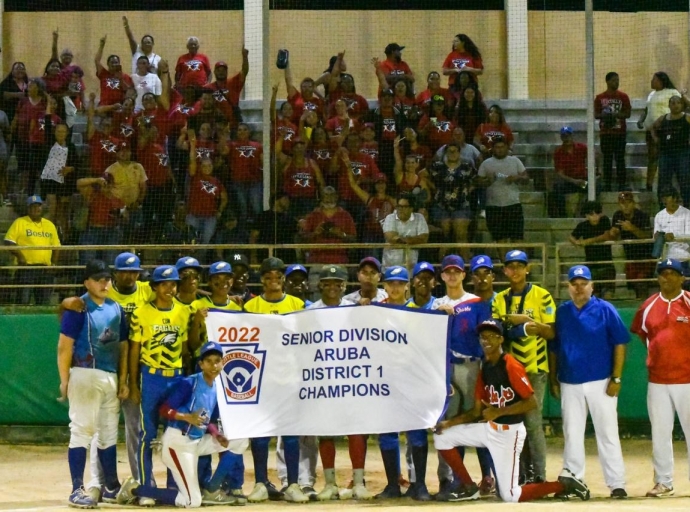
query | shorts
(440,214)
(505,222)
(51,187)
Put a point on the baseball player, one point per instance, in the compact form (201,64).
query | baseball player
(332,279)
(157,342)
(240,268)
(297,282)
(482,269)
(502,396)
(192,411)
(586,359)
(423,284)
(92,364)
(529,312)
(662,323)
(189,270)
(368,276)
(274,301)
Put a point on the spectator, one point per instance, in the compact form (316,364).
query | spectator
(469,154)
(671,134)
(72,101)
(103,145)
(368,277)
(123,120)
(13,88)
(389,123)
(329,80)
(357,105)
(570,162)
(464,57)
(157,207)
(177,232)
(145,49)
(657,106)
(501,172)
(66,56)
(5,140)
(437,126)
(155,108)
(631,223)
(25,130)
(226,91)
(329,224)
(672,222)
(53,78)
(145,81)
(205,145)
(192,68)
(103,225)
(302,180)
(362,166)
(412,147)
(377,208)
(370,145)
(321,150)
(274,226)
(114,83)
(282,128)
(340,125)
(303,100)
(487,133)
(403,95)
(433,88)
(612,108)
(30,230)
(245,157)
(591,234)
(394,67)
(471,110)
(127,180)
(409,178)
(403,227)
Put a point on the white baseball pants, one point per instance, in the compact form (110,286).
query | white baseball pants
(93,407)
(308,458)
(663,402)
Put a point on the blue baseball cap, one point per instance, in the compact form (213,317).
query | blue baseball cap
(493,325)
(566,130)
(370,260)
(187,262)
(481,261)
(165,273)
(452,261)
(423,266)
(33,200)
(396,273)
(515,255)
(295,268)
(670,264)
(579,272)
(128,261)
(220,267)
(210,346)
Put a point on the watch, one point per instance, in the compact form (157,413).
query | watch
(616,380)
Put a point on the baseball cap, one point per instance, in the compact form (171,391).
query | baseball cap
(396,273)
(423,266)
(579,272)
(270,264)
(380,177)
(515,255)
(96,269)
(670,264)
(128,261)
(438,99)
(295,268)
(333,272)
(626,195)
(220,267)
(387,92)
(209,347)
(370,260)
(370,125)
(392,47)
(491,325)
(566,130)
(239,259)
(481,261)
(33,200)
(165,273)
(220,64)
(452,261)
(187,262)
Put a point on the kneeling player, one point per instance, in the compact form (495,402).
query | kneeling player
(502,396)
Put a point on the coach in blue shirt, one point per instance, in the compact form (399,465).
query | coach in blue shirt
(586,362)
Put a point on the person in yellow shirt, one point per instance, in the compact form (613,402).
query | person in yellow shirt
(33,230)
(128,184)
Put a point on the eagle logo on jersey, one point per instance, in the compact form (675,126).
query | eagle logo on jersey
(165,339)
(112,83)
(502,398)
(193,65)
(242,372)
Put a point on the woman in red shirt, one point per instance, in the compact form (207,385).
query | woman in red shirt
(433,82)
(437,127)
(357,105)
(321,150)
(377,207)
(281,126)
(340,124)
(471,110)
(114,83)
(411,146)
(31,109)
(408,177)
(464,57)
(53,78)
(487,132)
(302,180)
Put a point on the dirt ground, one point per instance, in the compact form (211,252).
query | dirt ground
(34,478)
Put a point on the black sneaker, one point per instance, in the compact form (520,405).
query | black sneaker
(619,494)
(422,493)
(411,491)
(466,493)
(390,491)
(273,493)
(574,485)
(563,496)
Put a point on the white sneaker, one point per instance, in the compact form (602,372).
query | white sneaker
(360,492)
(217,498)
(146,502)
(241,498)
(258,494)
(660,491)
(330,492)
(94,493)
(345,494)
(294,494)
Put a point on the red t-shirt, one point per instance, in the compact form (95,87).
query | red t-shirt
(38,132)
(439,133)
(363,167)
(322,154)
(421,153)
(154,159)
(423,100)
(54,83)
(615,102)
(370,149)
(459,60)
(192,70)
(287,131)
(403,104)
(102,152)
(157,117)
(123,125)
(299,182)
(405,186)
(389,129)
(101,210)
(227,97)
(246,161)
(395,68)
(180,114)
(113,87)
(497,394)
(205,149)
(573,165)
(376,212)
(299,105)
(356,104)
(204,195)
(26,111)
(488,131)
(335,125)
(340,219)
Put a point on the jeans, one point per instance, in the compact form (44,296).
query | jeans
(99,236)
(206,226)
(40,274)
(613,148)
(675,163)
(249,200)
(533,424)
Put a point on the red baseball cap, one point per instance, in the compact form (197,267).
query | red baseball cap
(220,64)
(380,177)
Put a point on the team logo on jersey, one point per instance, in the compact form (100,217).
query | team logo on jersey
(219,95)
(287,132)
(126,130)
(460,63)
(246,151)
(308,105)
(302,180)
(243,369)
(112,83)
(193,65)
(500,399)
(183,109)
(369,151)
(109,146)
(162,159)
(322,154)
(202,153)
(389,125)
(356,168)
(146,120)
(443,126)
(209,187)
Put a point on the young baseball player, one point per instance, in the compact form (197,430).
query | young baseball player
(503,395)
(92,364)
(368,276)
(192,410)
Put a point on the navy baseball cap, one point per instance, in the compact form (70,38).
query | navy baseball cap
(370,260)
(187,262)
(96,270)
(396,273)
(670,264)
(220,267)
(270,264)
(566,130)
(34,200)
(239,259)
(452,261)
(579,272)
(165,273)
(492,325)
(333,272)
(392,47)
(423,266)
(481,261)
(295,268)
(128,261)
(210,347)
(515,255)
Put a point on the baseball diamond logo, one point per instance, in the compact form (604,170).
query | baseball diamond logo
(243,369)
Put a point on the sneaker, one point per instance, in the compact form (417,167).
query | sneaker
(309,492)
(390,491)
(237,493)
(619,494)
(563,496)
(447,490)
(258,494)
(81,499)
(125,496)
(660,491)
(574,485)
(330,492)
(95,494)
(422,493)
(217,498)
(466,493)
(294,494)
(487,487)
(146,502)
(360,492)
(273,493)
(109,496)
(411,491)
(445,485)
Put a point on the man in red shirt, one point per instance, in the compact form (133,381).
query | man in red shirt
(245,158)
(612,108)
(394,67)
(302,100)
(159,201)
(570,162)
(226,92)
(114,83)
(102,145)
(663,326)
(193,68)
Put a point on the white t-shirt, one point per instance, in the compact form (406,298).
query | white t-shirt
(501,193)
(357,296)
(657,105)
(154,59)
(679,225)
(57,159)
(442,301)
(415,225)
(144,84)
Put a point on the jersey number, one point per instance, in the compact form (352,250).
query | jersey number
(242,335)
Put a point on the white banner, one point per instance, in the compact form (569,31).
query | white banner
(333,371)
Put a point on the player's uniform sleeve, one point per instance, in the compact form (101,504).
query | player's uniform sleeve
(547,309)
(13,233)
(135,327)
(72,323)
(637,326)
(518,378)
(180,396)
(617,332)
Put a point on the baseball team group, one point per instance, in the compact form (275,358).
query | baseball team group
(142,346)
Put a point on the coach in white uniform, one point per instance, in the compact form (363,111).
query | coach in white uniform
(586,360)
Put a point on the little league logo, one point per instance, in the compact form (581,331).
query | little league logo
(243,369)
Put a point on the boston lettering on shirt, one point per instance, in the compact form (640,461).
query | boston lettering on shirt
(502,385)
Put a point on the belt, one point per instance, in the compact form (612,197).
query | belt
(500,427)
(174,372)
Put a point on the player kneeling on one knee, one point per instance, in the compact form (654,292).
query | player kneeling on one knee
(503,395)
(192,411)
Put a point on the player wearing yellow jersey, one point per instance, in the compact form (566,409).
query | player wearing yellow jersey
(529,314)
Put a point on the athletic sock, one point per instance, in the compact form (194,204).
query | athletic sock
(391,463)
(108,459)
(327,452)
(204,469)
(535,491)
(224,466)
(260,456)
(164,496)
(76,457)
(329,476)
(291,448)
(358,476)
(357,445)
(419,456)
(452,457)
